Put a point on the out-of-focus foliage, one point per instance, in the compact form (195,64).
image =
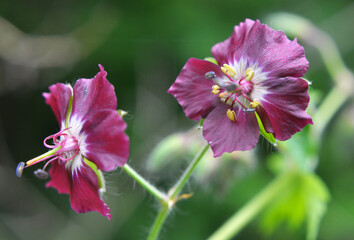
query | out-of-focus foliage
(143,45)
(305,198)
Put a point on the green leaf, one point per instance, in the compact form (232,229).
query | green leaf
(317,204)
(305,199)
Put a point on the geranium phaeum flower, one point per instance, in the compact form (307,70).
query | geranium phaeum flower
(91,138)
(259,70)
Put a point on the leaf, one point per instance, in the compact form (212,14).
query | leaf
(305,199)
(317,205)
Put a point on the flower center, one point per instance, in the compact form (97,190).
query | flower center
(234,88)
(65,147)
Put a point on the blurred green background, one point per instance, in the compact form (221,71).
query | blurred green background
(143,45)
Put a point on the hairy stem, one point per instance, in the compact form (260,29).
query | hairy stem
(162,197)
(173,193)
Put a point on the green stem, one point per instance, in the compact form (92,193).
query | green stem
(331,104)
(174,191)
(160,219)
(241,218)
(162,197)
(173,196)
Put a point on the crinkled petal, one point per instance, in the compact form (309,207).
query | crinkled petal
(224,51)
(105,142)
(84,195)
(58,100)
(274,52)
(193,91)
(93,95)
(60,179)
(224,135)
(269,49)
(285,105)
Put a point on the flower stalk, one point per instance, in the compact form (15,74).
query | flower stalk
(173,195)
(162,197)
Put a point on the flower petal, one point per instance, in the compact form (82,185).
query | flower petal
(193,91)
(58,100)
(274,52)
(105,143)
(93,95)
(84,196)
(224,51)
(224,135)
(261,45)
(285,106)
(59,178)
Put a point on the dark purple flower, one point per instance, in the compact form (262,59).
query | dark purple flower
(259,70)
(91,139)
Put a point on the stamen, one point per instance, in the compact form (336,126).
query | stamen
(19,169)
(210,75)
(255,103)
(224,70)
(223,94)
(231,115)
(216,89)
(41,174)
(43,157)
(231,87)
(249,110)
(47,163)
(228,70)
(245,96)
(249,74)
(236,99)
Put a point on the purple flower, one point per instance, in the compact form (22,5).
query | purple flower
(91,139)
(259,70)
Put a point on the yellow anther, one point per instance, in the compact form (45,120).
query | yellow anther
(231,115)
(223,94)
(224,70)
(249,74)
(255,103)
(216,89)
(229,69)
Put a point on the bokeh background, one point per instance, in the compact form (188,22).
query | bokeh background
(143,45)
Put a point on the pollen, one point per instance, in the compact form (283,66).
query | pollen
(249,74)
(19,169)
(255,103)
(227,69)
(223,94)
(216,89)
(41,174)
(210,75)
(231,115)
